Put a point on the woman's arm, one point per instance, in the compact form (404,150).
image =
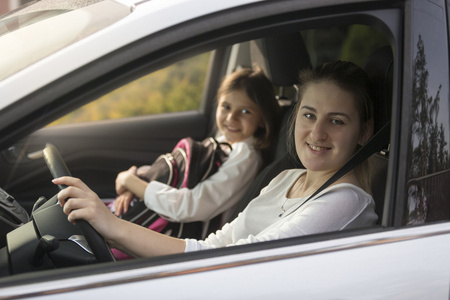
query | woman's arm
(138,241)
(80,202)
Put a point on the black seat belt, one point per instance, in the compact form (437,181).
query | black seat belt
(375,144)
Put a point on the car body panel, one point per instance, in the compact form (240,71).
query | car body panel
(346,271)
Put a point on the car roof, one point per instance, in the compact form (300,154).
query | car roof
(135,20)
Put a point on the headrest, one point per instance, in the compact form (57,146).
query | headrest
(281,57)
(379,68)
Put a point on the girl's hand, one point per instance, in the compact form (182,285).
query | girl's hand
(143,170)
(123,178)
(80,202)
(122,203)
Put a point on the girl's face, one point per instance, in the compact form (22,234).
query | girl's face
(327,128)
(237,116)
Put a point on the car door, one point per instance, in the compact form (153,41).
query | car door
(406,257)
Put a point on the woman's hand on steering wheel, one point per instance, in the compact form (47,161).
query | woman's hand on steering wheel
(80,202)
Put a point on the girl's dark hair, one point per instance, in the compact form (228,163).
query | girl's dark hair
(348,77)
(260,90)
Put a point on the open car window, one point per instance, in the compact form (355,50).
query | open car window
(176,88)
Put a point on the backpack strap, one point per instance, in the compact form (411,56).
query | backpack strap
(375,144)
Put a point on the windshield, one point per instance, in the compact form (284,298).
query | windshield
(36,11)
(41,28)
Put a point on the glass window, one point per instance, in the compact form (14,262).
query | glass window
(178,87)
(42,28)
(351,43)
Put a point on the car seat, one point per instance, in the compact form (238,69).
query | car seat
(280,57)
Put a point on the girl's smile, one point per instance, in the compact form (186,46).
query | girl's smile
(231,129)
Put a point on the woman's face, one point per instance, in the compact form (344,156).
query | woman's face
(237,116)
(327,127)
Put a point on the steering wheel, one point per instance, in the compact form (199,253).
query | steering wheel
(96,242)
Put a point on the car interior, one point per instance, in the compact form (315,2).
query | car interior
(379,67)
(280,56)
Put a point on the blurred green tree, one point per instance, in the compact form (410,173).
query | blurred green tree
(360,42)
(178,87)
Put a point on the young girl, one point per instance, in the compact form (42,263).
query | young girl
(332,118)
(246,116)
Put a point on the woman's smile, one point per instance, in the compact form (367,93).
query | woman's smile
(318,148)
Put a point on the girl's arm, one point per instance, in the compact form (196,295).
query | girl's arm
(80,202)
(128,185)
(216,194)
(129,181)
(122,203)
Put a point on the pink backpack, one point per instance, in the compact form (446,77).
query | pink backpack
(189,163)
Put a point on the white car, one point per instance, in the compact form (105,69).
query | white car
(65,62)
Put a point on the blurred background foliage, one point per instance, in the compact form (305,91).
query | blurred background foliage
(360,42)
(179,87)
(176,88)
